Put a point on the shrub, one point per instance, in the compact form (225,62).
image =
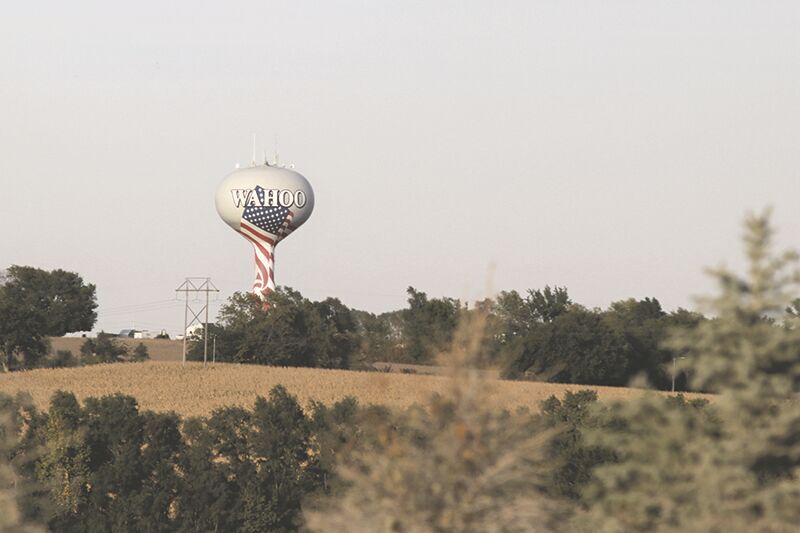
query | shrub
(140,353)
(102,349)
(62,359)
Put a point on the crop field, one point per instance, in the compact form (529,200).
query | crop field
(159,349)
(194,390)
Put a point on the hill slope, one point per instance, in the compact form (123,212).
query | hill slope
(159,349)
(193,390)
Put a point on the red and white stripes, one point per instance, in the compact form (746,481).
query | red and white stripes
(264,251)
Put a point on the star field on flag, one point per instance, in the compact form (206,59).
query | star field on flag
(269,219)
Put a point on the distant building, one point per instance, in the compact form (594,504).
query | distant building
(139,333)
(193,331)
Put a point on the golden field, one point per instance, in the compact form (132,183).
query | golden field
(194,390)
(159,349)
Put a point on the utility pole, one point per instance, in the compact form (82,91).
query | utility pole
(675,370)
(196,286)
(673,373)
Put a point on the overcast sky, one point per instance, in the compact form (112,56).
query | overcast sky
(611,147)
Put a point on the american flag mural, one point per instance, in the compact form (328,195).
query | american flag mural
(265,226)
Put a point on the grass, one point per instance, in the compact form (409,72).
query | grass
(193,390)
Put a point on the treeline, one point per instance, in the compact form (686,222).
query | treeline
(542,335)
(546,337)
(538,335)
(108,466)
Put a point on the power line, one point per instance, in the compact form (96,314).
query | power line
(143,304)
(139,310)
(196,286)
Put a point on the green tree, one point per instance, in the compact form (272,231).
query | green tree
(576,347)
(380,337)
(115,437)
(34,304)
(22,503)
(64,464)
(209,491)
(643,325)
(336,431)
(511,318)
(549,303)
(294,332)
(573,459)
(428,325)
(514,312)
(103,349)
(140,352)
(248,470)
(733,466)
(564,342)
(157,498)
(282,447)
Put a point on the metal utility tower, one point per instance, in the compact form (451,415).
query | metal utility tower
(196,286)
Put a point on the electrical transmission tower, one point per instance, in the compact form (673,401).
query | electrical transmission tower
(196,286)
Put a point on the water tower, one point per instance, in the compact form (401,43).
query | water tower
(264,204)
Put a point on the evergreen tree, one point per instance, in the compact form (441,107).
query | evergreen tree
(731,466)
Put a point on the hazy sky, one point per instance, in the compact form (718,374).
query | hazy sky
(612,147)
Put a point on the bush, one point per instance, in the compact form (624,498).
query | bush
(62,359)
(102,349)
(572,458)
(140,353)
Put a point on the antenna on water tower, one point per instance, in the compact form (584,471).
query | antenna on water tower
(275,157)
(253,161)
